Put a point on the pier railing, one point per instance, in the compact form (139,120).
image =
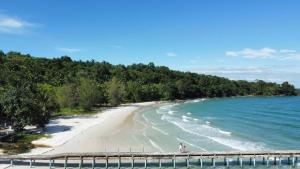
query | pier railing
(289,157)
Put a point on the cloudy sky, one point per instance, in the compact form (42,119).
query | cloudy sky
(249,39)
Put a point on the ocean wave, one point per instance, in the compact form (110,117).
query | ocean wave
(155,145)
(148,121)
(145,118)
(212,133)
(238,145)
(185,120)
(195,100)
(170,112)
(144,134)
(161,131)
(224,132)
(168,106)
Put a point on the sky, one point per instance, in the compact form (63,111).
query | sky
(237,39)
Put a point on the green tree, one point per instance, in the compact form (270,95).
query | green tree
(2,55)
(287,89)
(88,93)
(24,106)
(67,95)
(47,100)
(115,89)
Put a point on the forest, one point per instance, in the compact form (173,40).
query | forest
(33,88)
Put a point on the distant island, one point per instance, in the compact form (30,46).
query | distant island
(33,89)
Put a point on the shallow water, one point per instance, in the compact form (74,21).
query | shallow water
(246,123)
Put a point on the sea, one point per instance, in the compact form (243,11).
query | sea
(223,124)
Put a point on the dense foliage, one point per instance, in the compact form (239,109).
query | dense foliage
(33,88)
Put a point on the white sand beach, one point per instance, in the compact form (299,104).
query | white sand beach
(90,133)
(109,130)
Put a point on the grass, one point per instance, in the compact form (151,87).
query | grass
(20,142)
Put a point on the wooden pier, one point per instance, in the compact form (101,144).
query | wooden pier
(200,159)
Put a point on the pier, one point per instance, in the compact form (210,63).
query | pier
(157,160)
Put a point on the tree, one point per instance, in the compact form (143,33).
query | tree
(115,91)
(287,89)
(67,95)
(88,93)
(168,91)
(47,99)
(2,55)
(24,106)
(133,92)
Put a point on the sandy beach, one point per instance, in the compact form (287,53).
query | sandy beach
(91,133)
(109,130)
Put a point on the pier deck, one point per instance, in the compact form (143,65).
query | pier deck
(290,157)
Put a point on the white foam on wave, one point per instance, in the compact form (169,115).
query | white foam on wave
(191,144)
(224,132)
(212,133)
(238,145)
(195,100)
(185,120)
(168,106)
(170,112)
(146,119)
(160,130)
(155,145)
(201,128)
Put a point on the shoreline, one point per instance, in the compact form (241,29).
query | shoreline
(65,132)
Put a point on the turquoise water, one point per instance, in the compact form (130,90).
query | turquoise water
(248,123)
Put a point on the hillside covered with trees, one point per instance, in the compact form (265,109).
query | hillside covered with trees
(32,88)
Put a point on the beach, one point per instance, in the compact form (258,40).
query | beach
(109,130)
(91,133)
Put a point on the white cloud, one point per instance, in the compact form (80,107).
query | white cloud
(287,51)
(69,50)
(252,53)
(14,25)
(266,52)
(172,54)
(270,73)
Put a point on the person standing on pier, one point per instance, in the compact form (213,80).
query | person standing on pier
(181,147)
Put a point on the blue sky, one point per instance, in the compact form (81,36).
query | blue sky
(238,39)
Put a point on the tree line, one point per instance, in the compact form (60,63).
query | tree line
(32,88)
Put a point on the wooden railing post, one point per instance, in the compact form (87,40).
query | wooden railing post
(132,161)
(174,161)
(201,161)
(66,162)
(94,162)
(106,162)
(30,163)
(81,162)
